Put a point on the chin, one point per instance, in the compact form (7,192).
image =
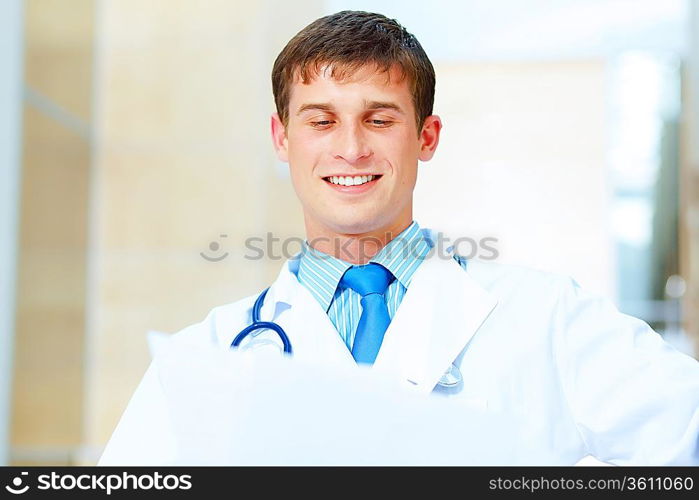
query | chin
(358,224)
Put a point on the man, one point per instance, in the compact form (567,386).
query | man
(354,94)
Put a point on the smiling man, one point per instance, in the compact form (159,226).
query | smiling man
(353,139)
(354,93)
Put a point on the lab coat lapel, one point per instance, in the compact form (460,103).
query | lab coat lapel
(440,312)
(313,336)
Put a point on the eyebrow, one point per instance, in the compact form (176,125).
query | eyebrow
(384,105)
(313,106)
(371,105)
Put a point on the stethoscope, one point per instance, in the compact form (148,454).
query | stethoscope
(451,378)
(262,325)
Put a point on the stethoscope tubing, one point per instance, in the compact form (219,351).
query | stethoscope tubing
(262,325)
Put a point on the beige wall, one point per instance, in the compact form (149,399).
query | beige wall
(48,377)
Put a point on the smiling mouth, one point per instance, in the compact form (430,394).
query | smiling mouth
(353,180)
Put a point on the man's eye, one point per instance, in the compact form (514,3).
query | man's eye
(381,123)
(321,123)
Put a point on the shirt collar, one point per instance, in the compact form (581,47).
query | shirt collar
(321,272)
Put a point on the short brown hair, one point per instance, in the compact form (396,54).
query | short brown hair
(347,41)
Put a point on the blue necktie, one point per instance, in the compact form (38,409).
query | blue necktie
(370,281)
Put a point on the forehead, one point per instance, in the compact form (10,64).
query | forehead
(368,82)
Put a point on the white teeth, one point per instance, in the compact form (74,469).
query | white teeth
(351,181)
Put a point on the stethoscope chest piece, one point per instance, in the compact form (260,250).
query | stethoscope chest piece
(451,377)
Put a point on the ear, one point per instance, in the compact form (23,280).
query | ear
(429,137)
(279,138)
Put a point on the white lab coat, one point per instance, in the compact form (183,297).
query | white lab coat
(583,378)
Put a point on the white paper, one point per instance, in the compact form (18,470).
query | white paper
(237,408)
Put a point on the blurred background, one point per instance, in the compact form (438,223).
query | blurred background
(135,160)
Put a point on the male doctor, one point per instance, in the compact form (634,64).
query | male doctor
(354,94)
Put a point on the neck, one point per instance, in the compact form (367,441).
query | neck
(355,248)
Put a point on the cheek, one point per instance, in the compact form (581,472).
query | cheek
(300,179)
(302,162)
(408,179)
(303,151)
(404,161)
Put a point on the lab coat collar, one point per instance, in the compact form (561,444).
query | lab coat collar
(283,290)
(441,311)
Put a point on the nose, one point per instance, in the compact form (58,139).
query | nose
(351,144)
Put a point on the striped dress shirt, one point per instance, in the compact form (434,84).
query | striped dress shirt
(320,273)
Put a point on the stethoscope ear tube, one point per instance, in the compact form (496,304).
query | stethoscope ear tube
(257,307)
